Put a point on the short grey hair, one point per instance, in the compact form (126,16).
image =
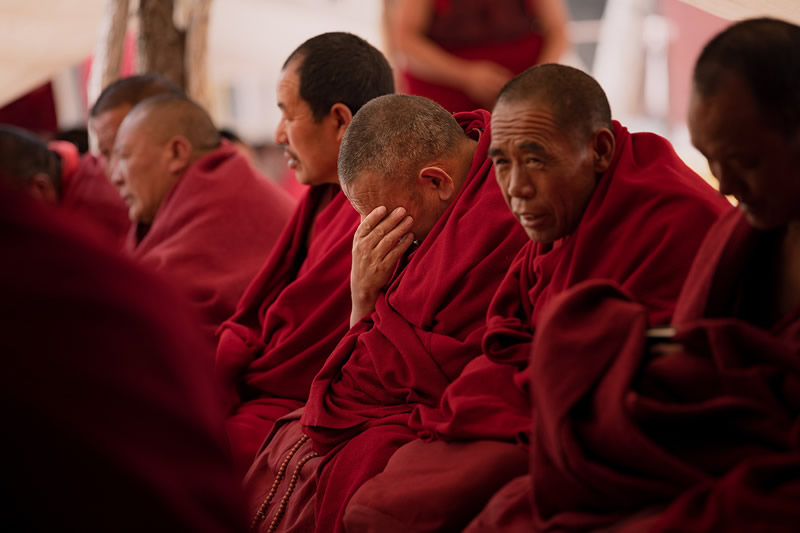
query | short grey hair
(397,135)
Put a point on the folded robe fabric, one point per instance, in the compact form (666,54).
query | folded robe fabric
(113,422)
(213,232)
(86,189)
(705,439)
(642,227)
(289,320)
(426,326)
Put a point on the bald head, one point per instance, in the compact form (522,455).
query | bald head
(116,101)
(396,135)
(157,143)
(131,90)
(577,102)
(404,152)
(26,161)
(165,116)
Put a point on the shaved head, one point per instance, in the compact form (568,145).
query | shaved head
(576,100)
(397,134)
(157,143)
(132,90)
(167,115)
(765,54)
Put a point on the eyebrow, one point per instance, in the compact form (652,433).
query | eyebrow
(531,146)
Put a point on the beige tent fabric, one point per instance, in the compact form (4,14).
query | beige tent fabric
(741,9)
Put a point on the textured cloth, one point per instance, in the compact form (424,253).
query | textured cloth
(503,32)
(112,421)
(642,228)
(426,325)
(289,320)
(213,232)
(86,189)
(704,439)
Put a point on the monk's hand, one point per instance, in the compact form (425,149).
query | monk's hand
(378,244)
(483,80)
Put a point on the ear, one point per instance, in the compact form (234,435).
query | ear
(341,116)
(178,151)
(42,188)
(437,180)
(603,146)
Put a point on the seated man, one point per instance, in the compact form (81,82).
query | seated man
(434,242)
(108,390)
(699,433)
(297,308)
(596,202)
(204,218)
(57,174)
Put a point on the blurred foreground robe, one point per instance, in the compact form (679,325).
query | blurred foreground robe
(705,439)
(86,189)
(289,320)
(110,413)
(426,326)
(213,232)
(642,228)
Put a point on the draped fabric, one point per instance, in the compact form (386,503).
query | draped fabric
(213,232)
(288,321)
(702,439)
(642,228)
(112,419)
(426,326)
(86,189)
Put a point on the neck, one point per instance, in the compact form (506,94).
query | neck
(466,153)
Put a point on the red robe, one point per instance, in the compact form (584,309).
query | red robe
(289,320)
(642,228)
(213,231)
(707,439)
(112,421)
(425,327)
(86,189)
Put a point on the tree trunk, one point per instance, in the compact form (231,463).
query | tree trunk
(197,78)
(161,44)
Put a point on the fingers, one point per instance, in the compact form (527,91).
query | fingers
(370,221)
(381,231)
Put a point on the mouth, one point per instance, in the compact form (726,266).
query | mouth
(531,220)
(291,159)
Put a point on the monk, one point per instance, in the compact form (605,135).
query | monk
(596,202)
(425,264)
(203,217)
(298,307)
(106,390)
(696,430)
(56,173)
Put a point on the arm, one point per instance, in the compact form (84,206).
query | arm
(408,23)
(552,16)
(378,244)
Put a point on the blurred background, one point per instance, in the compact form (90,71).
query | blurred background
(58,54)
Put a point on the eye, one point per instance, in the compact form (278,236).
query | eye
(500,161)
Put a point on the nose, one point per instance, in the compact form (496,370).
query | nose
(280,132)
(724,177)
(519,183)
(114,173)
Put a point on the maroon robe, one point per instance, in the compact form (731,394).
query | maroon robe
(289,320)
(213,232)
(111,418)
(642,227)
(86,189)
(425,327)
(705,439)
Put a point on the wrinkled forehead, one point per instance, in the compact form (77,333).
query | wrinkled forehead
(518,122)
(368,191)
